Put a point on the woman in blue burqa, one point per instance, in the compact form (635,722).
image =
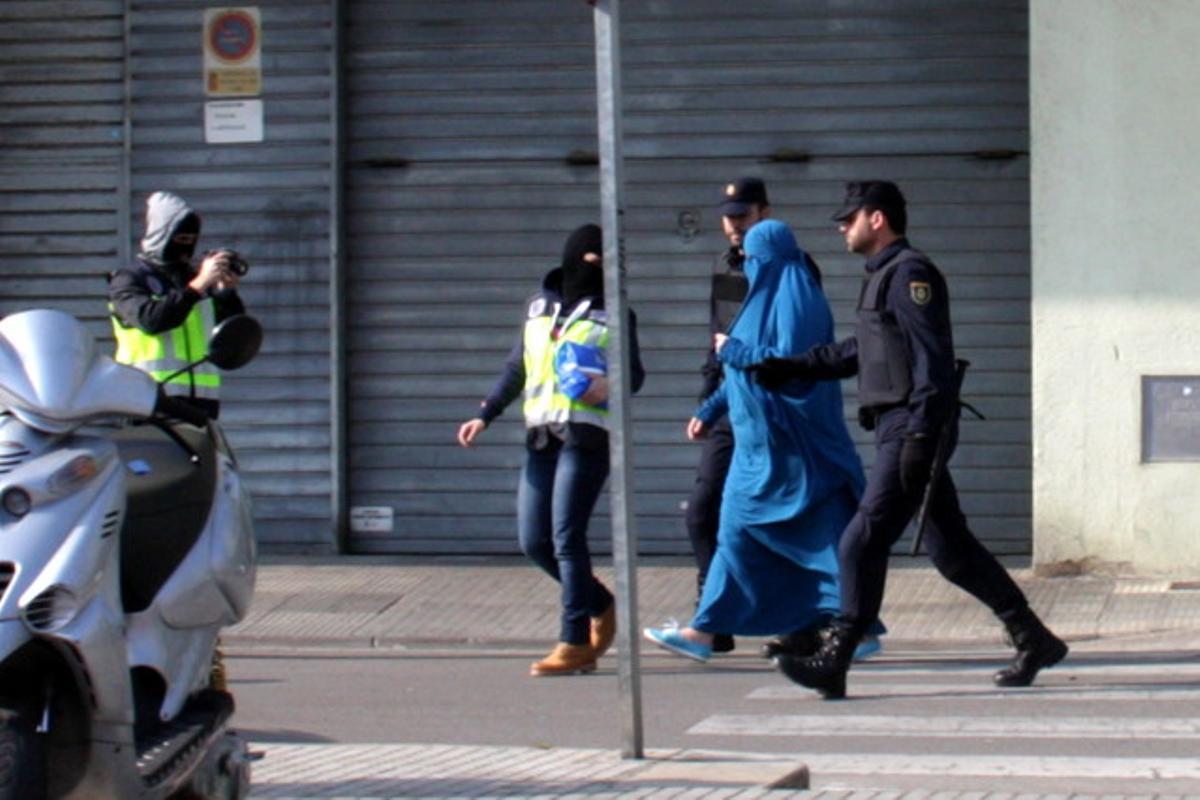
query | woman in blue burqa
(795,479)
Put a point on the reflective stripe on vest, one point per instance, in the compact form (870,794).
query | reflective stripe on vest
(170,351)
(544,403)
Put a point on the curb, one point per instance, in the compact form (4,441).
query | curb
(428,771)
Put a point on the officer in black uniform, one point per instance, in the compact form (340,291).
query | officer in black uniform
(743,203)
(903,354)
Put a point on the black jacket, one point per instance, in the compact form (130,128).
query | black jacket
(157,299)
(918,299)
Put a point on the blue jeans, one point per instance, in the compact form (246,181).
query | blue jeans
(559,488)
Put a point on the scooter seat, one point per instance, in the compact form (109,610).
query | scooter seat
(168,498)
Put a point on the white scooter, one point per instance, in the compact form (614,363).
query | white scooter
(126,544)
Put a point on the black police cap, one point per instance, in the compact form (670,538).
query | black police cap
(741,194)
(882,195)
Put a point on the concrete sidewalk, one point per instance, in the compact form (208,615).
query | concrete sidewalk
(379,602)
(365,603)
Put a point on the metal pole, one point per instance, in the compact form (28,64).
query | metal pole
(125,180)
(624,531)
(339,370)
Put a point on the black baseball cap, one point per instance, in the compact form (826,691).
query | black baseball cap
(741,194)
(882,195)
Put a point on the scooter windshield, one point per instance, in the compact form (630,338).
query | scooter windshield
(53,378)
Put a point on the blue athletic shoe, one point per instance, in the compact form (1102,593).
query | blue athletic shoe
(668,637)
(869,646)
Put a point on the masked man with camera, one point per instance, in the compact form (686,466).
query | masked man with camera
(164,308)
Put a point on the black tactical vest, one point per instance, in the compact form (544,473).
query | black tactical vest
(884,364)
(729,288)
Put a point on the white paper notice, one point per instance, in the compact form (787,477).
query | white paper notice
(233,121)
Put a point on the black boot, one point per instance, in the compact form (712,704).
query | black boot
(723,643)
(1037,648)
(826,669)
(804,642)
(800,643)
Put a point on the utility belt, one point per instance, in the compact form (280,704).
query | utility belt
(868,416)
(552,436)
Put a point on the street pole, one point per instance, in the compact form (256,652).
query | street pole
(624,530)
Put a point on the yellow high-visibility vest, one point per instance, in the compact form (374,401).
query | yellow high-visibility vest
(161,354)
(544,402)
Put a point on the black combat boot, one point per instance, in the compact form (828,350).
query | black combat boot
(1037,648)
(826,669)
(800,643)
(804,642)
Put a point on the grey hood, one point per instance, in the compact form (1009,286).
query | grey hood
(164,212)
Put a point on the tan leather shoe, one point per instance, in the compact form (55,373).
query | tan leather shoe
(565,659)
(604,630)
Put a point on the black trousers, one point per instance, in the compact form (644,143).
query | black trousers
(882,516)
(703,516)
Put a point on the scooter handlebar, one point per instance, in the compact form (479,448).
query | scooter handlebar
(169,406)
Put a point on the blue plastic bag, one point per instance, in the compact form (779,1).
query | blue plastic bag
(575,364)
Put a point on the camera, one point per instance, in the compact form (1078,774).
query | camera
(237,265)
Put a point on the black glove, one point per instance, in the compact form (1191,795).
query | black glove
(773,373)
(916,462)
(179,408)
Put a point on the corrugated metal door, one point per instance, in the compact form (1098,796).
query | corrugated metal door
(470,133)
(271,202)
(61,145)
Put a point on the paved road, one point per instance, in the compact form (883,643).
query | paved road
(1114,722)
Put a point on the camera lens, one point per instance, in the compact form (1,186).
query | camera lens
(237,265)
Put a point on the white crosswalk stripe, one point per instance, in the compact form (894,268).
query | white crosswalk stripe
(1008,727)
(1063,767)
(1180,670)
(1117,725)
(981,690)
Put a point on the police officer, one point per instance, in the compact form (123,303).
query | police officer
(163,308)
(566,443)
(743,203)
(903,354)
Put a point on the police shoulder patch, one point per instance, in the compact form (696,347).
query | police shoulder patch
(537,308)
(920,292)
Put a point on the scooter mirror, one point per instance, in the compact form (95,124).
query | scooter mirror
(235,341)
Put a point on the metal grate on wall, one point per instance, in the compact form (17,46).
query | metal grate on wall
(471,149)
(61,150)
(269,200)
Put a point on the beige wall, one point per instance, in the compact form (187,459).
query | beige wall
(1115,114)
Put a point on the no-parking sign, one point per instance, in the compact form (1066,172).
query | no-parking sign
(232,51)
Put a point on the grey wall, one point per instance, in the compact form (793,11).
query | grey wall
(61,153)
(70,201)
(468,131)
(270,201)
(73,185)
(464,123)
(1115,130)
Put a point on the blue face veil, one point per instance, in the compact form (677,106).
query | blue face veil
(792,447)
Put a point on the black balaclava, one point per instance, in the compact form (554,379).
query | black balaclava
(175,253)
(581,279)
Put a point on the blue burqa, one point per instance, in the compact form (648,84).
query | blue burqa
(795,478)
